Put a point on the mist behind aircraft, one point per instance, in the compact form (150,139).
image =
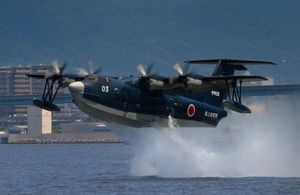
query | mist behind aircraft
(264,144)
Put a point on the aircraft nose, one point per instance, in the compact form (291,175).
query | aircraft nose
(76,87)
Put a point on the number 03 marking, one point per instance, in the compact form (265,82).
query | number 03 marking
(105,89)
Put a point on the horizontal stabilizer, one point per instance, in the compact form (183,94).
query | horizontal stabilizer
(227,66)
(230,62)
(229,79)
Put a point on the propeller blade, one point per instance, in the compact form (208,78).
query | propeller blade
(91,68)
(142,70)
(63,67)
(56,65)
(98,70)
(178,69)
(82,72)
(149,68)
(182,71)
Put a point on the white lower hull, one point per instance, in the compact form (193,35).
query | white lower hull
(108,114)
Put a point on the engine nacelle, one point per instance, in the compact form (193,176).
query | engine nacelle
(156,84)
(193,83)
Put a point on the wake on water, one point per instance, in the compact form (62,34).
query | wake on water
(263,143)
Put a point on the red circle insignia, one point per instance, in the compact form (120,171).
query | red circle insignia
(191,110)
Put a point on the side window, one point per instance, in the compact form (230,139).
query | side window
(116,91)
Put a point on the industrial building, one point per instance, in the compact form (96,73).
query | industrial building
(23,123)
(14,82)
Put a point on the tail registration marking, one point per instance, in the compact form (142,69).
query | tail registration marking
(215,93)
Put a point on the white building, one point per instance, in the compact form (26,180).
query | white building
(39,121)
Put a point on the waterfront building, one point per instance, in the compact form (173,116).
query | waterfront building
(14,82)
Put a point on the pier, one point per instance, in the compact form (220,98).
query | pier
(62,138)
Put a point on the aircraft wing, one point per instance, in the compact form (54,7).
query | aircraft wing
(229,61)
(271,90)
(209,82)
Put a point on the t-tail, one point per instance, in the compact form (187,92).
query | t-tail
(226,87)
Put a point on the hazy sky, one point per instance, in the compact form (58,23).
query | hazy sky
(123,33)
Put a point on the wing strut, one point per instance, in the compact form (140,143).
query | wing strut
(48,91)
(234,101)
(236,93)
(49,94)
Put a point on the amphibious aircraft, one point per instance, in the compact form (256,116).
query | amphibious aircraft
(192,100)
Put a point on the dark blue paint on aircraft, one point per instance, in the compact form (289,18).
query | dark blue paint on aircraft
(188,99)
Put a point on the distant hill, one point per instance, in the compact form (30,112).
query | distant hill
(119,34)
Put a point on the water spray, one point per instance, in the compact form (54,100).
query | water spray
(260,144)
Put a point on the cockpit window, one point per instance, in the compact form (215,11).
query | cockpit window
(91,78)
(107,79)
(104,80)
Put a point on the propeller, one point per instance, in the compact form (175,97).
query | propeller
(91,68)
(185,77)
(181,71)
(182,74)
(145,72)
(82,72)
(59,67)
(148,79)
(57,73)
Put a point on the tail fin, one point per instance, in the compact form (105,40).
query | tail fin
(213,97)
(223,79)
